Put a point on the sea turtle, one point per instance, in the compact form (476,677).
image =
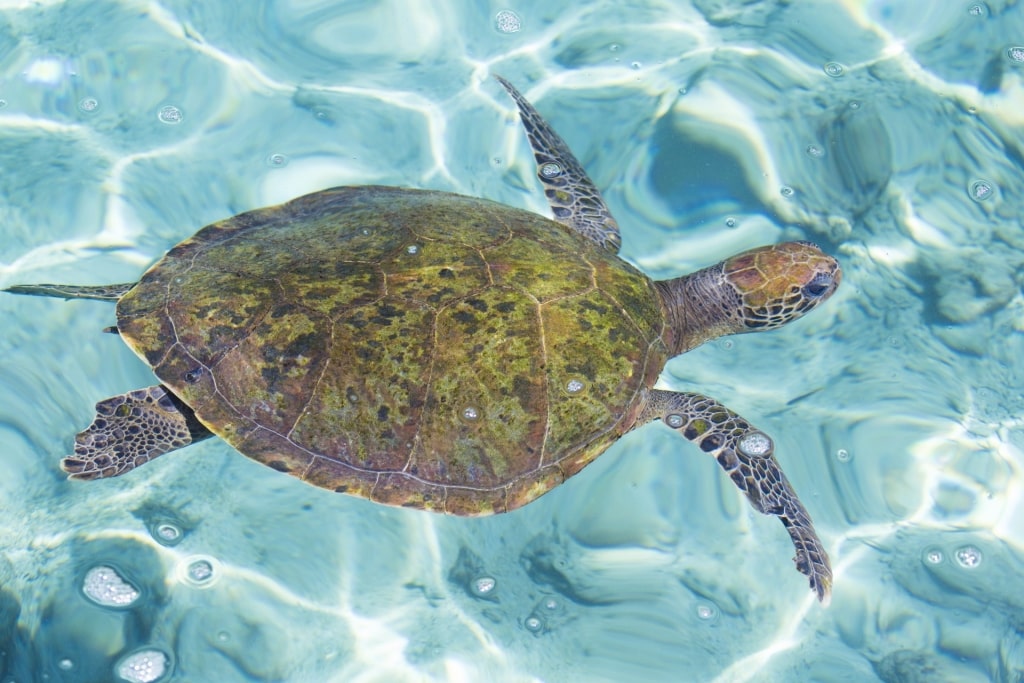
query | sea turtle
(437,351)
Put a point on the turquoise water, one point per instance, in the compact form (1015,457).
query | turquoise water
(888,132)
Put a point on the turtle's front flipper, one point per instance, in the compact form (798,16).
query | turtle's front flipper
(747,455)
(573,197)
(98,292)
(130,430)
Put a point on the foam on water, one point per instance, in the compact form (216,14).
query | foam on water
(887,132)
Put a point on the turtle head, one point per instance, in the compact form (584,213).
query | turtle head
(779,283)
(760,289)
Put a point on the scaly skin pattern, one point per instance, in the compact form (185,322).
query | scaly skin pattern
(748,456)
(757,290)
(415,348)
(157,420)
(574,199)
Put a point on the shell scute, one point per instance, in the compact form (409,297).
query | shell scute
(269,376)
(436,273)
(402,490)
(527,265)
(457,221)
(336,476)
(332,288)
(366,411)
(589,342)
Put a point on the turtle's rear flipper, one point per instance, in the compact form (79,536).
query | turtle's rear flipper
(97,292)
(130,430)
(748,455)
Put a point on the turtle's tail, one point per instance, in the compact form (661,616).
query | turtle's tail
(97,292)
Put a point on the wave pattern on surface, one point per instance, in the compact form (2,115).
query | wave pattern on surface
(887,132)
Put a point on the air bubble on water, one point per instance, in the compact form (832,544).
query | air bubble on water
(815,152)
(728,344)
(933,556)
(550,604)
(3,103)
(1016,54)
(981,190)
(674,421)
(854,104)
(65,664)
(412,249)
(550,169)
(755,444)
(575,386)
(167,533)
(834,69)
(636,65)
(484,585)
(507,21)
(978,9)
(787,191)
(706,611)
(968,556)
(105,586)
(614,47)
(143,666)
(88,105)
(170,115)
(533,624)
(470,413)
(843,455)
(731,222)
(277,161)
(199,571)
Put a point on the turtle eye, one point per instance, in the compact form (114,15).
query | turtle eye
(819,286)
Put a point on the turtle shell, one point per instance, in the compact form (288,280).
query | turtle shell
(416,348)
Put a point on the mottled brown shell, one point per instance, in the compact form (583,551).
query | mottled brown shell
(415,348)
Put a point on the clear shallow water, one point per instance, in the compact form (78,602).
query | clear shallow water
(896,407)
